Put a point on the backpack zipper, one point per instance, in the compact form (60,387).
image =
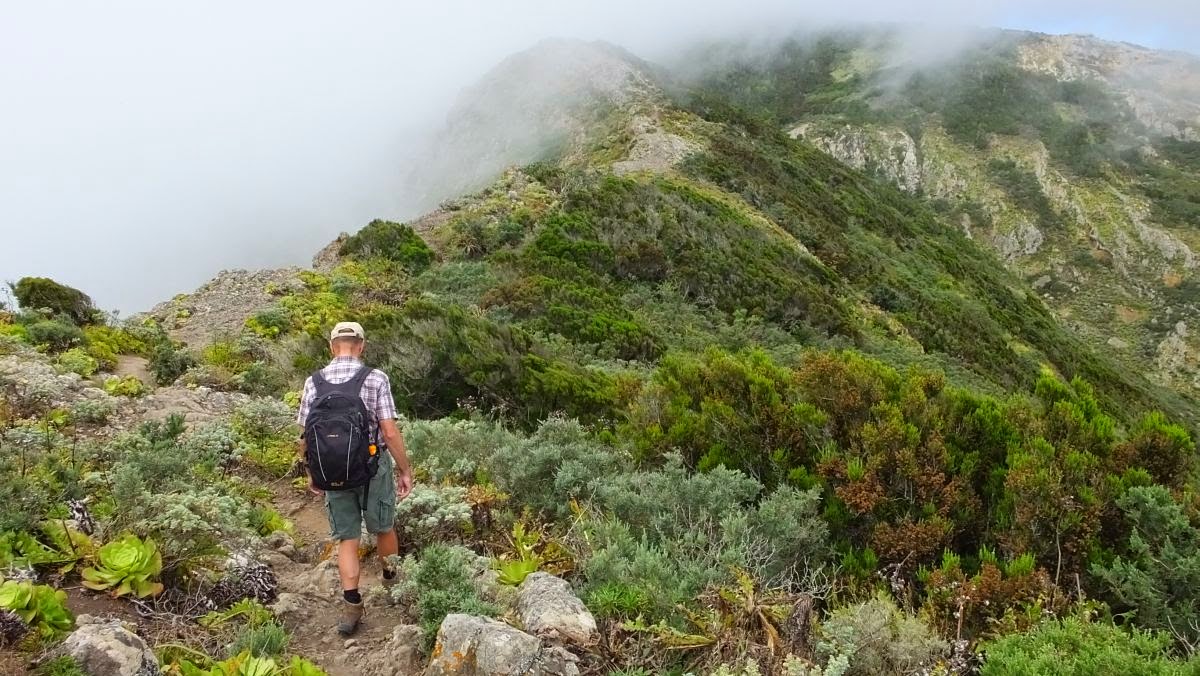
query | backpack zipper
(349,445)
(320,465)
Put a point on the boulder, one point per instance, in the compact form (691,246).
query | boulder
(291,609)
(549,609)
(468,645)
(107,648)
(321,581)
(400,656)
(282,543)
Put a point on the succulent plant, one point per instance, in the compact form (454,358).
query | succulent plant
(39,606)
(126,566)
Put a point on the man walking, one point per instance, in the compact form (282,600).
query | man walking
(349,417)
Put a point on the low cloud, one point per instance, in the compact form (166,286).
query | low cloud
(147,145)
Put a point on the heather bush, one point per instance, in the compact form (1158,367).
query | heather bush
(168,361)
(37,293)
(55,334)
(1155,577)
(1077,646)
(393,241)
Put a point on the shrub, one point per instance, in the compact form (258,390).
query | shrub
(433,513)
(455,450)
(105,343)
(76,360)
(57,335)
(553,466)
(876,637)
(163,489)
(439,581)
(1078,646)
(127,386)
(35,293)
(168,361)
(392,241)
(1156,574)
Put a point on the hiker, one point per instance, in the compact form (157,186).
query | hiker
(354,455)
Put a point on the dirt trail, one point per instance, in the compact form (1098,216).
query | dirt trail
(139,367)
(314,635)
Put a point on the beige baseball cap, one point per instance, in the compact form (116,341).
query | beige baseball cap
(347,330)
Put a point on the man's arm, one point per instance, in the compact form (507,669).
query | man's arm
(395,445)
(385,414)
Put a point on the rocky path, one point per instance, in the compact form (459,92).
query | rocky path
(309,599)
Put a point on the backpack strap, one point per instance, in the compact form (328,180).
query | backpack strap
(352,386)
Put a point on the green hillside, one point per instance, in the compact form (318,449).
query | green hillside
(767,412)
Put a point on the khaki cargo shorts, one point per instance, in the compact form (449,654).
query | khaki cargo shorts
(347,511)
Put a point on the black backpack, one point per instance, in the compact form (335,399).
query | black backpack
(337,435)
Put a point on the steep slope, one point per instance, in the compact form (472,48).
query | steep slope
(1072,158)
(692,363)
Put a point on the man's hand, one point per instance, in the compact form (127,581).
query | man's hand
(403,484)
(312,488)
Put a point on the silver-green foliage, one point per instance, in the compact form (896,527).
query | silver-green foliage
(875,637)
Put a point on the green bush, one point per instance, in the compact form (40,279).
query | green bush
(1156,574)
(168,361)
(55,334)
(36,293)
(1076,646)
(438,581)
(63,665)
(553,466)
(392,241)
(76,360)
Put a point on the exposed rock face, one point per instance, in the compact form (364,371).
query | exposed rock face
(328,257)
(887,151)
(653,149)
(550,609)
(1024,240)
(222,305)
(1162,88)
(106,648)
(468,645)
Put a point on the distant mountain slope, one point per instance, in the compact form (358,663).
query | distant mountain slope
(1075,160)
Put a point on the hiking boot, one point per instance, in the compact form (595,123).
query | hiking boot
(351,615)
(388,584)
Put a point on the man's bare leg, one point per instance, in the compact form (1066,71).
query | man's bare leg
(348,571)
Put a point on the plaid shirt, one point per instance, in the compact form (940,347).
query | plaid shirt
(376,391)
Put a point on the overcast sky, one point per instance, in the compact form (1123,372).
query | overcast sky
(146,145)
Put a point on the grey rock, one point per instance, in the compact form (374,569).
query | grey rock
(468,645)
(1117,343)
(400,656)
(549,609)
(291,609)
(281,542)
(107,648)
